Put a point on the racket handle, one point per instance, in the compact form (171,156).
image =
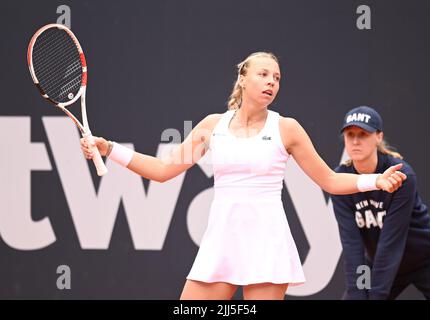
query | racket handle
(97,158)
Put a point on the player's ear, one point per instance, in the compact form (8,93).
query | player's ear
(241,81)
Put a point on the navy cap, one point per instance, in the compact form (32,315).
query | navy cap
(364,117)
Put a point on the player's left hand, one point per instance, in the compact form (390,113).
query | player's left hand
(391,179)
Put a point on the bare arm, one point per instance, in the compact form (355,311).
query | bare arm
(180,159)
(299,145)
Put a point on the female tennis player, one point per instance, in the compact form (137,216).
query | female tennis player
(247,241)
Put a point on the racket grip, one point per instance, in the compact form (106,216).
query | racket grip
(97,158)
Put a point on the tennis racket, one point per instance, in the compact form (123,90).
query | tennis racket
(59,70)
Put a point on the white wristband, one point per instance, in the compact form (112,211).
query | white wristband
(121,154)
(367,182)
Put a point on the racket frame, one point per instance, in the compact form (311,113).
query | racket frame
(84,127)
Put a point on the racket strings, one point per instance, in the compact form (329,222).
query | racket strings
(50,51)
(57,64)
(50,58)
(55,86)
(52,69)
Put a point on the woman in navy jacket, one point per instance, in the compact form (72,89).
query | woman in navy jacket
(388,232)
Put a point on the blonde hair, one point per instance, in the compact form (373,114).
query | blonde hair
(383,148)
(235,99)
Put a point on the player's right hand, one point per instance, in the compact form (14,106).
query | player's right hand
(100,142)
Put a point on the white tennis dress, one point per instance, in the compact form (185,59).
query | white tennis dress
(248,239)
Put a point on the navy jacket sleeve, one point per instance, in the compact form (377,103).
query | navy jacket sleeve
(352,244)
(392,239)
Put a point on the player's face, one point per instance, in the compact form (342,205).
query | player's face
(361,144)
(261,81)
